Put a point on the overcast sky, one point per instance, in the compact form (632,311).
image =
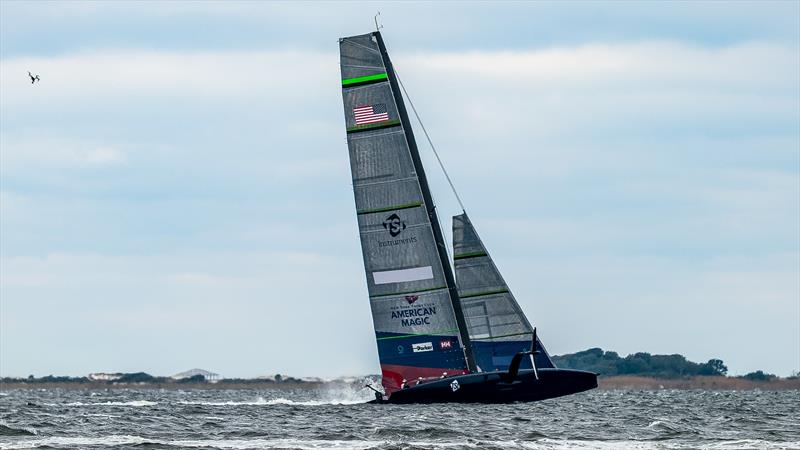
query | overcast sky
(175,192)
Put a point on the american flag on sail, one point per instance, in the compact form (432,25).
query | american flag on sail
(370,113)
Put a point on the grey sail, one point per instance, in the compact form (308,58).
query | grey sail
(414,303)
(497,327)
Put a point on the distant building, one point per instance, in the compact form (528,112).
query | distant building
(209,376)
(100,376)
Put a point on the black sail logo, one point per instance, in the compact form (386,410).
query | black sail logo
(394,225)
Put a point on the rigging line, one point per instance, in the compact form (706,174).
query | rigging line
(449,181)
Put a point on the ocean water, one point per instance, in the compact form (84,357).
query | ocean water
(337,417)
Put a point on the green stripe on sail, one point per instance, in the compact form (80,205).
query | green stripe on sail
(389,208)
(373,126)
(469,255)
(498,337)
(368,78)
(481,294)
(439,333)
(409,292)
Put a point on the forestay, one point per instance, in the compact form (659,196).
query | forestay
(497,326)
(412,310)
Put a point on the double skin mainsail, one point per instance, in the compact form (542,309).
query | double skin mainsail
(434,336)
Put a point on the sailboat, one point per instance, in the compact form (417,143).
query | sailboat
(442,336)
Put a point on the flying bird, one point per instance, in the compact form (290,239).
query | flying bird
(34,78)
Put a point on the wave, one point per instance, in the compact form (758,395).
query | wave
(6,430)
(287,443)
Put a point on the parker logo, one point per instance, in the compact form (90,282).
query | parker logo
(422,347)
(411,299)
(444,345)
(394,225)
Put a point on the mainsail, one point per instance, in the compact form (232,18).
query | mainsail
(498,328)
(419,326)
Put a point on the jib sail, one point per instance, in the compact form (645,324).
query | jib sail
(497,326)
(411,287)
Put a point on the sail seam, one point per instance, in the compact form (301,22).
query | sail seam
(438,333)
(470,255)
(501,336)
(353,137)
(362,86)
(481,294)
(409,292)
(389,208)
(373,126)
(384,181)
(362,67)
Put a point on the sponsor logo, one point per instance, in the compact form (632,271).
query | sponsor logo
(422,347)
(415,316)
(444,345)
(400,349)
(411,299)
(454,386)
(394,225)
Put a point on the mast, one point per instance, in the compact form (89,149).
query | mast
(428,198)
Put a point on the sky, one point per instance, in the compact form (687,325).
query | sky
(176,193)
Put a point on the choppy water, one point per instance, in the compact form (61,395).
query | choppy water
(335,417)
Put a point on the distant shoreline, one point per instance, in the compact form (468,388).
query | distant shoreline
(100,385)
(604,383)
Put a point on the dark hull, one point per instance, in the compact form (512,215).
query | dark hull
(493,388)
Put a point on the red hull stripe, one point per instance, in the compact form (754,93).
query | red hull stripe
(393,375)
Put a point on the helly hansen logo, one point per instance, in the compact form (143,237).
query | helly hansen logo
(394,225)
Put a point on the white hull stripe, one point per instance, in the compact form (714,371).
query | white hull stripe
(403,275)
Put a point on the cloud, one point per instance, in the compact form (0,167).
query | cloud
(552,110)
(163,301)
(70,80)
(38,152)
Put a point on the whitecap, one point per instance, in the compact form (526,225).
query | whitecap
(109,403)
(260,401)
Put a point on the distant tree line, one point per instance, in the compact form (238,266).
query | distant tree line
(643,364)
(647,365)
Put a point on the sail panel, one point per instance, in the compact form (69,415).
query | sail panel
(497,326)
(370,107)
(415,323)
(374,157)
(394,195)
(360,58)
